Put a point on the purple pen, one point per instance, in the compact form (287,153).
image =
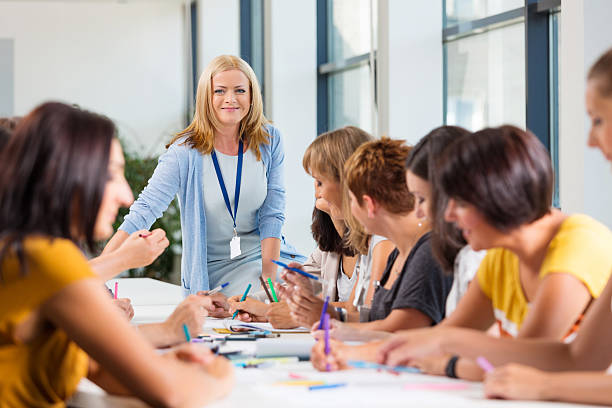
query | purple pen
(484,364)
(326,328)
(323,312)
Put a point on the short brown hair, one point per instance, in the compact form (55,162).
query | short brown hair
(377,169)
(504,172)
(601,71)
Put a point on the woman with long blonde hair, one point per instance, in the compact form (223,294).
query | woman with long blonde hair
(227,169)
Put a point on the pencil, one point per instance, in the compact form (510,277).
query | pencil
(246,292)
(272,290)
(263,283)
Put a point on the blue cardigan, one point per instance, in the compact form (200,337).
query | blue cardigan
(179,172)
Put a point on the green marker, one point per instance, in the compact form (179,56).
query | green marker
(272,290)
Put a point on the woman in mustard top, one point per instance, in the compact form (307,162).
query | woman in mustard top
(61,185)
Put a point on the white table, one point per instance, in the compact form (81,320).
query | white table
(260,388)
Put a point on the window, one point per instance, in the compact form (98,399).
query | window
(346,38)
(500,57)
(252,37)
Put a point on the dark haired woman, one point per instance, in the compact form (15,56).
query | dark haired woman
(543,268)
(447,243)
(61,184)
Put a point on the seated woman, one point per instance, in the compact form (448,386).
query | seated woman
(543,268)
(413,289)
(447,243)
(338,264)
(585,358)
(61,185)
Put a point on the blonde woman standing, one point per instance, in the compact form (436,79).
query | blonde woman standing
(227,169)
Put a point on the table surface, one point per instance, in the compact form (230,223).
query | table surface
(154,301)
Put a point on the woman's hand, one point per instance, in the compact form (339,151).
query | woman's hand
(432,365)
(333,361)
(405,348)
(337,331)
(253,307)
(305,307)
(142,247)
(279,316)
(219,306)
(192,311)
(515,381)
(294,279)
(216,366)
(125,305)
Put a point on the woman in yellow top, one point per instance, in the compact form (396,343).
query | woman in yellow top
(61,185)
(543,268)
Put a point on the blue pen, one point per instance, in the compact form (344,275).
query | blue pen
(246,292)
(306,274)
(375,366)
(323,312)
(218,289)
(325,386)
(186,330)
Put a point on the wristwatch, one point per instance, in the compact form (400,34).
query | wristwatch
(450,367)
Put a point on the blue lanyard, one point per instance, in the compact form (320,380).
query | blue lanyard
(222,184)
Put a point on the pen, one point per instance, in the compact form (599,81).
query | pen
(324,386)
(186,330)
(263,283)
(326,328)
(323,312)
(144,235)
(246,292)
(272,290)
(217,289)
(484,364)
(116,289)
(306,274)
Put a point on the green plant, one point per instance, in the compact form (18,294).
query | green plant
(138,171)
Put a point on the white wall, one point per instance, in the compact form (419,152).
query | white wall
(585,176)
(410,70)
(125,60)
(291,103)
(218,30)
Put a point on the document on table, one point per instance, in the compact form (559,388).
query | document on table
(228,324)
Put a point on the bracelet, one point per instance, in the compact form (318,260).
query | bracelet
(450,367)
(341,313)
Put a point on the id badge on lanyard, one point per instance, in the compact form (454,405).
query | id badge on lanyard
(235,241)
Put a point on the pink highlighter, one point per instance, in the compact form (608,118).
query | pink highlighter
(484,364)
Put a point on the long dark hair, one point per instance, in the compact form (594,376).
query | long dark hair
(325,234)
(53,172)
(446,239)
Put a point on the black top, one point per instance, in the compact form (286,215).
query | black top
(421,285)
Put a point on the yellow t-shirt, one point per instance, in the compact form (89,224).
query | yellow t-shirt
(45,371)
(582,248)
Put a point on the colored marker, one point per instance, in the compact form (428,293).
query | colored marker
(323,312)
(246,292)
(263,284)
(116,289)
(145,235)
(272,290)
(375,366)
(484,364)
(306,274)
(325,386)
(186,330)
(326,328)
(218,288)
